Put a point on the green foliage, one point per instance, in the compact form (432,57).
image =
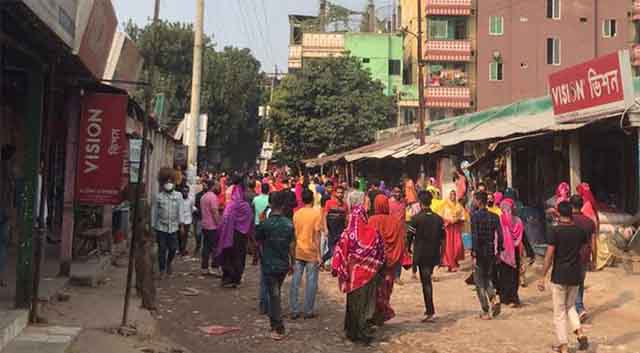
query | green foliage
(331,105)
(231,86)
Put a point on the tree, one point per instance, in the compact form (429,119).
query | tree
(231,90)
(331,105)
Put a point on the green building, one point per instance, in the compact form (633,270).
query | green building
(381,54)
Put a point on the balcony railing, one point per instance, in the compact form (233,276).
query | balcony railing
(447,50)
(636,10)
(448,97)
(448,7)
(295,56)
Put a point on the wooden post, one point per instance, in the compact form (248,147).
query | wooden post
(575,171)
(509,158)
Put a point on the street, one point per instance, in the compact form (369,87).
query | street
(611,298)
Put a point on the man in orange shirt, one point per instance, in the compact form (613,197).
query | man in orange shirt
(307,223)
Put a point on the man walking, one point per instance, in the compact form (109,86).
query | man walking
(583,222)
(276,235)
(166,218)
(566,241)
(335,215)
(426,232)
(210,213)
(307,222)
(485,228)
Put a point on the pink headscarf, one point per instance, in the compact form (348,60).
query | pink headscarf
(512,230)
(562,193)
(497,198)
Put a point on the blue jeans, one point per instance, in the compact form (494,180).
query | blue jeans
(167,247)
(311,287)
(580,298)
(263,294)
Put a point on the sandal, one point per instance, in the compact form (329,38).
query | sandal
(560,348)
(583,343)
(485,316)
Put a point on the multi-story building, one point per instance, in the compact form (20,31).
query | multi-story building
(449,29)
(380,53)
(519,43)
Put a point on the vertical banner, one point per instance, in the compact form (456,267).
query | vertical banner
(101,148)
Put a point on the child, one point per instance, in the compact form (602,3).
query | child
(276,235)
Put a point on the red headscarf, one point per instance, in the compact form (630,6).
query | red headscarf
(391,228)
(359,254)
(589,208)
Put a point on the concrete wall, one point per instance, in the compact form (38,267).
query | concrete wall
(378,49)
(523,45)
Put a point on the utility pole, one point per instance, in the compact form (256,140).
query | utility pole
(421,109)
(323,15)
(267,115)
(394,18)
(195,88)
(139,191)
(371,10)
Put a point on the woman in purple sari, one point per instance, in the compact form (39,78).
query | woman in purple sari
(237,226)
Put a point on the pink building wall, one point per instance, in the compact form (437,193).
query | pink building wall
(523,46)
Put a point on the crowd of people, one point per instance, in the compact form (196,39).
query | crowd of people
(365,234)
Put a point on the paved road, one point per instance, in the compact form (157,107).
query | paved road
(612,297)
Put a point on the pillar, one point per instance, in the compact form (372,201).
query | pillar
(575,159)
(509,159)
(33,114)
(71,152)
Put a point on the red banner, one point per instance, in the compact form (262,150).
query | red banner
(101,148)
(593,89)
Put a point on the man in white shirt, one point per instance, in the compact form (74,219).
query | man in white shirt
(188,207)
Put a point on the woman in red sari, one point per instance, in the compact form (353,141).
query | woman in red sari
(453,214)
(393,233)
(590,211)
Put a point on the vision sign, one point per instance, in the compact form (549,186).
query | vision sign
(593,89)
(101,148)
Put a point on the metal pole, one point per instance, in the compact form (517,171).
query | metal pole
(143,157)
(196,85)
(421,117)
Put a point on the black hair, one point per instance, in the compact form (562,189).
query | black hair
(237,180)
(328,183)
(565,209)
(252,184)
(355,184)
(425,198)
(482,184)
(264,188)
(307,197)
(482,197)
(576,202)
(277,200)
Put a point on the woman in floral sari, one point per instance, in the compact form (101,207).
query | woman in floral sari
(357,260)
(454,215)
(393,232)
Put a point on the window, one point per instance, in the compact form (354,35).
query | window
(553,51)
(366,60)
(553,9)
(438,29)
(495,71)
(394,67)
(496,25)
(609,29)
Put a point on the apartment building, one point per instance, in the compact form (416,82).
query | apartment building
(449,46)
(521,42)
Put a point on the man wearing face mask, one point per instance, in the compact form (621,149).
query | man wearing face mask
(166,218)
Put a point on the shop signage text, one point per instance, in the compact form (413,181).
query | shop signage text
(593,89)
(101,147)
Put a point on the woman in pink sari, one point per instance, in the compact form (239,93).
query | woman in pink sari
(508,268)
(453,214)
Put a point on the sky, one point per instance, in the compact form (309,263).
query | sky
(261,25)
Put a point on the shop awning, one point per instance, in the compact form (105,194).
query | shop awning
(384,150)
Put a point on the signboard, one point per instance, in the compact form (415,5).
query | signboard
(96,27)
(180,155)
(135,156)
(202,130)
(183,132)
(58,15)
(101,145)
(593,89)
(124,63)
